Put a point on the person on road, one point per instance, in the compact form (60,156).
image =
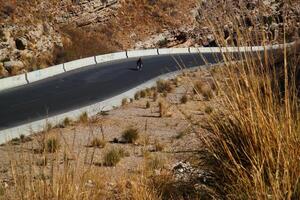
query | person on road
(139,64)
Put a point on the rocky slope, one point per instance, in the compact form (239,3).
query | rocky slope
(37,34)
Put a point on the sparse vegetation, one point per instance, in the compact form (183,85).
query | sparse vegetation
(207,92)
(164,86)
(184,99)
(162,109)
(158,146)
(2,191)
(112,157)
(154,162)
(208,110)
(83,118)
(52,145)
(155,95)
(143,94)
(124,102)
(130,135)
(180,135)
(137,96)
(67,122)
(148,104)
(97,142)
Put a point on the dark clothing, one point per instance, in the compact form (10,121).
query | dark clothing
(139,64)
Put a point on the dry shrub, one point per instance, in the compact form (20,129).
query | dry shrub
(130,135)
(113,157)
(97,142)
(155,95)
(158,146)
(162,109)
(256,134)
(51,145)
(143,93)
(164,86)
(154,162)
(124,102)
(82,43)
(184,99)
(84,118)
(137,95)
(208,110)
(204,89)
(148,104)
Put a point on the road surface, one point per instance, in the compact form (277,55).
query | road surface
(86,86)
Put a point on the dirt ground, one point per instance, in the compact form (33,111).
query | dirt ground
(171,138)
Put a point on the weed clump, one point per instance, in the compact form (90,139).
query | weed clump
(164,86)
(113,157)
(124,102)
(208,110)
(184,99)
(84,118)
(137,96)
(52,145)
(99,143)
(148,104)
(130,135)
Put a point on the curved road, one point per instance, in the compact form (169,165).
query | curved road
(86,86)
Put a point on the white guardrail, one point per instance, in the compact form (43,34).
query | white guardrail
(23,79)
(34,76)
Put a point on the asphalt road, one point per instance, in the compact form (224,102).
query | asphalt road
(86,86)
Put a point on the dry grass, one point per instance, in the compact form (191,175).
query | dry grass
(130,135)
(184,99)
(162,109)
(97,142)
(255,135)
(84,118)
(112,157)
(164,86)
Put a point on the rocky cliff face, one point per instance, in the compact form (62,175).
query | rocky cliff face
(37,34)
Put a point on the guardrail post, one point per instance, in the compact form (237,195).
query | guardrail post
(189,49)
(95,59)
(157,51)
(126,53)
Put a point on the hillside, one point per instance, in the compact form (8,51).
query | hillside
(37,34)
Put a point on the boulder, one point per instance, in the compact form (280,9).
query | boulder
(17,65)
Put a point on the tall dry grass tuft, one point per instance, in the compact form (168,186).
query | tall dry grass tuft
(254,150)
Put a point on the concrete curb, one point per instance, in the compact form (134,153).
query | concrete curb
(22,79)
